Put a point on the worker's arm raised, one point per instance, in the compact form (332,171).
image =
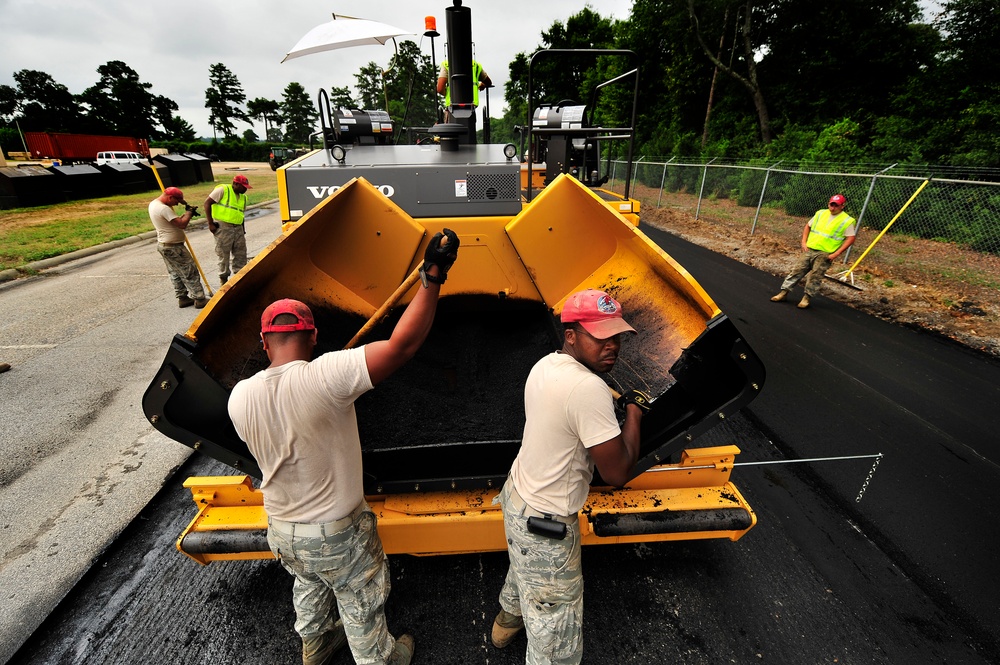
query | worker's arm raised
(386,356)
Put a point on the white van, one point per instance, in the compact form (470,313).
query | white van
(119,157)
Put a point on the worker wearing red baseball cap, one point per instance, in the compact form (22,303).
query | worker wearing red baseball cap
(298,419)
(570,427)
(170,241)
(224,210)
(825,237)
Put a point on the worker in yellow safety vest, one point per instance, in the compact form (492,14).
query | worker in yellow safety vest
(478,74)
(826,236)
(224,210)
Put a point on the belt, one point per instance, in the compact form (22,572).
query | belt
(518,505)
(171,244)
(323,530)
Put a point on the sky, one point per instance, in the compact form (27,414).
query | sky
(171,45)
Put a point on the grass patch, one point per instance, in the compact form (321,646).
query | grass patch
(32,234)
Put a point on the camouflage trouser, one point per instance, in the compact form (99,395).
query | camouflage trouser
(812,265)
(544,585)
(231,239)
(183,273)
(345,572)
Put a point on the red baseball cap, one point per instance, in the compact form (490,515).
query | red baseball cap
(297,309)
(838,199)
(597,312)
(242,180)
(174,192)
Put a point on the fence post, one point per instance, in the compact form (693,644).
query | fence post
(864,206)
(663,180)
(760,202)
(701,190)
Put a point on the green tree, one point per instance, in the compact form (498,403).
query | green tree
(341,98)
(371,87)
(177,128)
(559,78)
(411,83)
(268,110)
(42,105)
(406,90)
(299,114)
(223,99)
(119,103)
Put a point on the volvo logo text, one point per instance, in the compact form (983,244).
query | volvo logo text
(323,191)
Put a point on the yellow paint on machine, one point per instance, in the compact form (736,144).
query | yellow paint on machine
(455,522)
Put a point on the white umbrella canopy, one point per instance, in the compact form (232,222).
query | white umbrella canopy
(344,32)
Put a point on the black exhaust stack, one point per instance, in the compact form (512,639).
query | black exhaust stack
(458,27)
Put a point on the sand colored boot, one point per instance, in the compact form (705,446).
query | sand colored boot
(320,650)
(505,627)
(782,294)
(402,652)
(804,303)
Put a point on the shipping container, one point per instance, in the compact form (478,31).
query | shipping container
(69,148)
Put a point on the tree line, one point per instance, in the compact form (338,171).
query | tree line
(850,81)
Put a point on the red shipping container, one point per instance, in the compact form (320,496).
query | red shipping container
(69,148)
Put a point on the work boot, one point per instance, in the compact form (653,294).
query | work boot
(804,302)
(200,302)
(320,650)
(402,653)
(505,627)
(4,367)
(223,278)
(184,301)
(782,294)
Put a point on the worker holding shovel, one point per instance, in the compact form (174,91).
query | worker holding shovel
(170,243)
(826,236)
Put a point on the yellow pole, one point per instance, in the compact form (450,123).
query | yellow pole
(843,275)
(186,241)
(407,284)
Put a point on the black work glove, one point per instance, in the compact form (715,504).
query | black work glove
(637,397)
(193,210)
(441,251)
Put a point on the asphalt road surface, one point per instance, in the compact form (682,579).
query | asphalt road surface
(905,575)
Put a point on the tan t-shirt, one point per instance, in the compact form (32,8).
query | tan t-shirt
(299,422)
(567,409)
(161,215)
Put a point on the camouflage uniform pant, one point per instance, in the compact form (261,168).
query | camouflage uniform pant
(812,265)
(183,273)
(544,585)
(231,240)
(344,573)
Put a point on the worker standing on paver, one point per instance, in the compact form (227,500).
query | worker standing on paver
(224,210)
(570,426)
(170,240)
(298,419)
(826,236)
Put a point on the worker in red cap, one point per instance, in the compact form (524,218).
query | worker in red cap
(224,209)
(170,241)
(570,426)
(298,420)
(825,237)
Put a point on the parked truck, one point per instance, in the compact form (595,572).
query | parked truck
(358,214)
(75,148)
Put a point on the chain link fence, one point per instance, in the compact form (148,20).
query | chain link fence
(911,226)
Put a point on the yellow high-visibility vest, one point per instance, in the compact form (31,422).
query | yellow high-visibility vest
(477,71)
(826,232)
(230,208)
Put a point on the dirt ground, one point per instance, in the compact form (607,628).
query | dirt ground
(934,286)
